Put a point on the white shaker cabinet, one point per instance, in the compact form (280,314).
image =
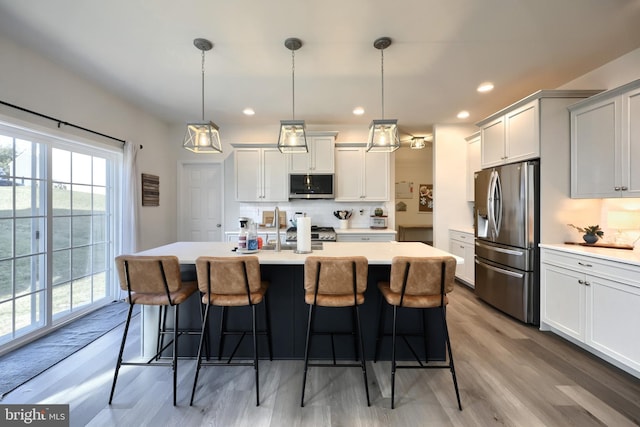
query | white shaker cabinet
(361,175)
(593,302)
(319,158)
(511,136)
(605,144)
(473,163)
(462,244)
(260,175)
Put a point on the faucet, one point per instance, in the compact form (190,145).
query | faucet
(276,223)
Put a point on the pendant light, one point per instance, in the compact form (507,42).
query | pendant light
(417,143)
(293,138)
(203,136)
(383,133)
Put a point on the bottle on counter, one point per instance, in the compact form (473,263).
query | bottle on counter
(242,236)
(252,237)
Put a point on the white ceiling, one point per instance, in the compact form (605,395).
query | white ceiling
(142,50)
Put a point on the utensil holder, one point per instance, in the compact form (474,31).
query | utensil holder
(344,224)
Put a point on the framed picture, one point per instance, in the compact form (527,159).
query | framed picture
(150,190)
(404,190)
(425,201)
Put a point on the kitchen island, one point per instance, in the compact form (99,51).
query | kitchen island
(285,272)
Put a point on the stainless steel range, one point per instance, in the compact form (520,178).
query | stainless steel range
(318,234)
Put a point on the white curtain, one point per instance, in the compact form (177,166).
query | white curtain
(130,199)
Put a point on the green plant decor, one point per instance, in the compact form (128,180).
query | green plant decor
(593,230)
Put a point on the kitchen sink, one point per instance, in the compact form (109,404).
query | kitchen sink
(290,247)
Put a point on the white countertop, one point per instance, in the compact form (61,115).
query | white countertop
(375,252)
(365,231)
(618,255)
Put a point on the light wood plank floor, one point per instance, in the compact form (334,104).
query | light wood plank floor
(509,374)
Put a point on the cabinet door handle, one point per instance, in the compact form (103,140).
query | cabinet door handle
(624,188)
(584,265)
(581,282)
(616,188)
(584,282)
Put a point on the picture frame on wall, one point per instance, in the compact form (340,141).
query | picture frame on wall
(425,198)
(150,190)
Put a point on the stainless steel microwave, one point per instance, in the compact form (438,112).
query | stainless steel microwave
(311,186)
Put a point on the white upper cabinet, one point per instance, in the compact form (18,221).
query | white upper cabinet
(605,144)
(261,175)
(473,163)
(361,175)
(511,137)
(319,158)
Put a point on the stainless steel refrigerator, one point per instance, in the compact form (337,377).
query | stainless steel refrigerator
(507,230)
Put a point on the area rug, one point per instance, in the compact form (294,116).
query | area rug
(24,363)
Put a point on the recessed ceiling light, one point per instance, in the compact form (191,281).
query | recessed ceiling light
(485,87)
(358,111)
(248,112)
(463,114)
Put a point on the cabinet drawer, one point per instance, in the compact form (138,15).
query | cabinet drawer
(625,273)
(461,236)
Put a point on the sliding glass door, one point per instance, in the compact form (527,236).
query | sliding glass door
(57,228)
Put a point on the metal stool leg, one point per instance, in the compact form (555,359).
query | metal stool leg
(453,370)
(119,362)
(363,362)
(255,354)
(223,325)
(306,353)
(381,321)
(268,323)
(199,358)
(175,351)
(393,358)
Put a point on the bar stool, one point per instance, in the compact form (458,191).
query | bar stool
(232,282)
(421,283)
(151,280)
(335,282)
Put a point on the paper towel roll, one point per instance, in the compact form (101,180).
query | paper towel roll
(304,234)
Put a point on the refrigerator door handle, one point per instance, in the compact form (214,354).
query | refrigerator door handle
(501,271)
(490,203)
(502,250)
(497,197)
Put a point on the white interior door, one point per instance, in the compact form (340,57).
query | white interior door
(200,202)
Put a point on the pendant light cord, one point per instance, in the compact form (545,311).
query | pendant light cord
(293,82)
(382,78)
(203,85)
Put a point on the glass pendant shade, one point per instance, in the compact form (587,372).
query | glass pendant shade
(383,136)
(202,137)
(417,143)
(293,136)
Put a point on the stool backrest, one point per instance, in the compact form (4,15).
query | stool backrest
(336,274)
(422,276)
(228,275)
(149,274)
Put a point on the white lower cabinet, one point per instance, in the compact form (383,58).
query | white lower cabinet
(593,302)
(462,244)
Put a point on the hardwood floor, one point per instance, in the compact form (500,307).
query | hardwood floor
(508,373)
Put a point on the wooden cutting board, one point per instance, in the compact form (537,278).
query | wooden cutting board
(602,245)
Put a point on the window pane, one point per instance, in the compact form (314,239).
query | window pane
(81,169)
(99,200)
(6,279)
(29,312)
(6,321)
(29,239)
(81,292)
(27,274)
(99,171)
(6,238)
(61,299)
(28,156)
(6,199)
(61,232)
(99,286)
(81,199)
(61,166)
(100,257)
(81,228)
(61,199)
(28,198)
(99,229)
(81,262)
(61,266)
